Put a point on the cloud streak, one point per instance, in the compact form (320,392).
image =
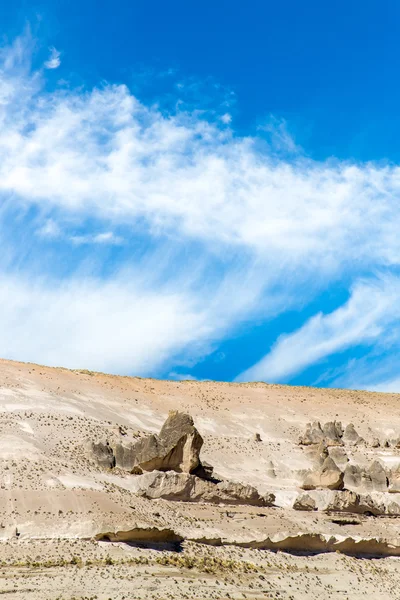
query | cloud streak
(252,228)
(371,310)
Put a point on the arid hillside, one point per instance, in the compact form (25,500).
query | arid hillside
(195,489)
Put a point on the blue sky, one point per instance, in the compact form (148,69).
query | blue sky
(202,190)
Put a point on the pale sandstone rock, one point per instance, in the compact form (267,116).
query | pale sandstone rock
(304,502)
(176,448)
(351,437)
(312,435)
(329,477)
(101,453)
(188,488)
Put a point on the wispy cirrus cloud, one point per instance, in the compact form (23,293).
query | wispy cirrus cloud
(256,228)
(373,307)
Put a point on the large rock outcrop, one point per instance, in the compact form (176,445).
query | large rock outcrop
(329,476)
(189,488)
(351,502)
(330,434)
(176,448)
(373,479)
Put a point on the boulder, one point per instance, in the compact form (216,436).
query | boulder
(352,476)
(339,455)
(102,454)
(351,502)
(371,506)
(329,477)
(375,443)
(345,501)
(333,432)
(176,448)
(377,477)
(351,437)
(312,435)
(189,488)
(304,502)
(373,479)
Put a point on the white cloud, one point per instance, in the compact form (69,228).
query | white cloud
(267,231)
(226,118)
(49,229)
(103,152)
(54,60)
(133,323)
(106,237)
(181,376)
(372,308)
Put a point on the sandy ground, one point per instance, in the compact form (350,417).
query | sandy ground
(54,500)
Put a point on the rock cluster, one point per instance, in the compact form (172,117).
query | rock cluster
(331,434)
(171,468)
(176,448)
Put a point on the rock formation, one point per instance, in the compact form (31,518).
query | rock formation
(329,476)
(189,488)
(102,454)
(176,448)
(351,437)
(304,502)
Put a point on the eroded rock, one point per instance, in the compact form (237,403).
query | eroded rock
(329,477)
(351,437)
(188,488)
(312,435)
(176,448)
(304,502)
(102,454)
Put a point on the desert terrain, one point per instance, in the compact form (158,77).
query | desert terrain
(120,487)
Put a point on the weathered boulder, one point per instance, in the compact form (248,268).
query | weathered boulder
(378,477)
(101,453)
(189,488)
(339,455)
(371,506)
(176,448)
(312,435)
(352,476)
(345,501)
(330,434)
(304,502)
(373,479)
(333,432)
(351,502)
(329,476)
(375,443)
(351,437)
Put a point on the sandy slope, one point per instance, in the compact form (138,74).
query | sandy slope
(54,499)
